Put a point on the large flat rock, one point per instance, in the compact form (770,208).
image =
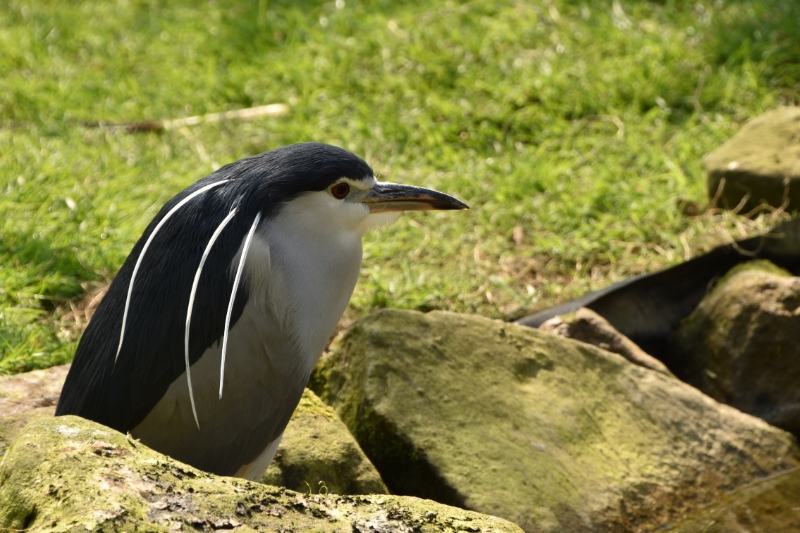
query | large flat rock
(70,474)
(549,433)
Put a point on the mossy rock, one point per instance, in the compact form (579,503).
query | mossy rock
(550,433)
(740,344)
(70,474)
(761,163)
(758,265)
(318,453)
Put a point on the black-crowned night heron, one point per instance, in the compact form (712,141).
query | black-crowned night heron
(206,338)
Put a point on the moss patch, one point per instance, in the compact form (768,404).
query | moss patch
(758,265)
(69,474)
(740,347)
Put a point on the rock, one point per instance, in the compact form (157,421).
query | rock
(318,453)
(740,346)
(316,445)
(762,161)
(24,397)
(70,474)
(587,326)
(550,433)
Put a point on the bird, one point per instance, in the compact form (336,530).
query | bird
(208,334)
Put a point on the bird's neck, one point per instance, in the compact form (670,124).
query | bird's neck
(308,283)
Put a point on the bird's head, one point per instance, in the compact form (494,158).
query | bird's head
(360,204)
(323,186)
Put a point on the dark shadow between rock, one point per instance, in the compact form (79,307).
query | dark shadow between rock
(649,308)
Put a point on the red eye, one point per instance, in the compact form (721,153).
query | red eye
(340,190)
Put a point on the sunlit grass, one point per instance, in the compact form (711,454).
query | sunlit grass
(571,128)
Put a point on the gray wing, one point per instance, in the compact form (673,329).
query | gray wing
(264,380)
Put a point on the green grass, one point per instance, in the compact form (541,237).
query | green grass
(580,124)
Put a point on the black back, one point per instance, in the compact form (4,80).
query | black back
(121,394)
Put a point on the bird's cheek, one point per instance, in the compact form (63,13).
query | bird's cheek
(376,220)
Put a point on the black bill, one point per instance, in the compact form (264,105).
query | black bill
(395,197)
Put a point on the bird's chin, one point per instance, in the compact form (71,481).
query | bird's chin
(376,220)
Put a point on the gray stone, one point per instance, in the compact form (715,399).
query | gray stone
(762,162)
(553,434)
(70,474)
(740,346)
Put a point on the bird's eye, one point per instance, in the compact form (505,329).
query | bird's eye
(340,190)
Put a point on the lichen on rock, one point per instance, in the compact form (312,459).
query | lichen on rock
(70,474)
(767,505)
(317,453)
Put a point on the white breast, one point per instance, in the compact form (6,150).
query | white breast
(314,260)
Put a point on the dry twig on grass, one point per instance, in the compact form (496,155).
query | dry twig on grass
(248,113)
